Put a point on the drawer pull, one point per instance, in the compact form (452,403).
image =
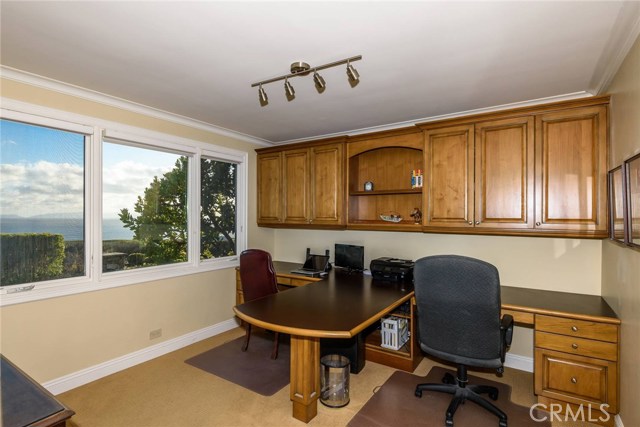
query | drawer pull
(574,346)
(574,328)
(574,380)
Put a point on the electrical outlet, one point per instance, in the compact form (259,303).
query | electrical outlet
(156,333)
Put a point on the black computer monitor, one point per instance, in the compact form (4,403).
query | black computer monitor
(349,256)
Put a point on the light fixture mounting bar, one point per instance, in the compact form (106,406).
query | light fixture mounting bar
(319,67)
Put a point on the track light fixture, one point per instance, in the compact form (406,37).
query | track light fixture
(303,69)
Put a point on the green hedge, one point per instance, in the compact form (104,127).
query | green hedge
(30,257)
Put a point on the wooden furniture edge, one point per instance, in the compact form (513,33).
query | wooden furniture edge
(317,333)
(565,314)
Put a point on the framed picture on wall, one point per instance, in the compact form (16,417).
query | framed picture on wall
(617,202)
(631,168)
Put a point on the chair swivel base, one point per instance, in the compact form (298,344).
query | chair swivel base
(462,392)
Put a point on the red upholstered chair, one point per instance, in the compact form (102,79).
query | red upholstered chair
(258,280)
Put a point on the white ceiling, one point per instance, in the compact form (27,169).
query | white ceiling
(421,60)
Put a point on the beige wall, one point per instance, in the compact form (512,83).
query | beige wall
(55,337)
(620,265)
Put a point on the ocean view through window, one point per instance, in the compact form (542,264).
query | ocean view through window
(42,229)
(88,204)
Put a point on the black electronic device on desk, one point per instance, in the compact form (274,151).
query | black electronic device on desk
(393,269)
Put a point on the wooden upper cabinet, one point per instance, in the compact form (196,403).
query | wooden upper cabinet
(504,173)
(296,186)
(571,163)
(448,177)
(327,184)
(301,186)
(270,188)
(480,175)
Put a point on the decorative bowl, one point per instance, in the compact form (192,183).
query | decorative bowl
(391,217)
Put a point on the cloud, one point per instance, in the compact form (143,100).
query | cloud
(28,189)
(123,182)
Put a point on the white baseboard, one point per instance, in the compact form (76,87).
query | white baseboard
(618,421)
(84,376)
(519,362)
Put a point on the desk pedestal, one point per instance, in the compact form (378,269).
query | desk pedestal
(305,377)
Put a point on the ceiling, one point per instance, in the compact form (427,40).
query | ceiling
(420,60)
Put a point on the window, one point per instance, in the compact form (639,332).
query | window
(144,208)
(218,186)
(42,203)
(92,206)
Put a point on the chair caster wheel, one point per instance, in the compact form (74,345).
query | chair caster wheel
(418,393)
(494,396)
(448,423)
(502,423)
(448,379)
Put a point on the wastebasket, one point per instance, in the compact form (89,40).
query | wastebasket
(334,380)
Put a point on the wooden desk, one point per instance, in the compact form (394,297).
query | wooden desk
(27,403)
(340,306)
(576,335)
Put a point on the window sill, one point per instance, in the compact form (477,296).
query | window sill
(44,290)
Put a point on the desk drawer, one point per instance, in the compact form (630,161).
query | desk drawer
(577,328)
(575,379)
(574,345)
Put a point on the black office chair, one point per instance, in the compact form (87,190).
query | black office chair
(258,279)
(458,308)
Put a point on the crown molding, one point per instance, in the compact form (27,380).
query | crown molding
(618,46)
(112,101)
(398,125)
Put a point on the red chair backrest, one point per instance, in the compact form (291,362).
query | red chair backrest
(257,274)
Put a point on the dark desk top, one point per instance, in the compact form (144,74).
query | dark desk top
(339,306)
(25,402)
(343,304)
(554,303)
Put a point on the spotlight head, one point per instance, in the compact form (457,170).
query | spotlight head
(262,96)
(319,81)
(354,77)
(288,90)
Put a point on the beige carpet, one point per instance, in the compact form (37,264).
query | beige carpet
(168,392)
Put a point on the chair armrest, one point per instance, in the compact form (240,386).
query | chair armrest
(506,334)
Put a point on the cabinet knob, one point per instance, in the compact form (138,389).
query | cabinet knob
(574,328)
(574,346)
(470,222)
(477,222)
(574,380)
(538,224)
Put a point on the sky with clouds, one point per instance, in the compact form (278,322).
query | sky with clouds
(42,172)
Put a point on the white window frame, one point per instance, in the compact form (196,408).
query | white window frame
(98,131)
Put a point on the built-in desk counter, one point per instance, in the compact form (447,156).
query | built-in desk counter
(577,337)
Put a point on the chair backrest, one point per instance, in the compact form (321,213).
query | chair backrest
(458,305)
(257,274)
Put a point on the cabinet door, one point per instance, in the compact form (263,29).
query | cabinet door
(296,186)
(571,161)
(327,177)
(504,173)
(449,177)
(270,188)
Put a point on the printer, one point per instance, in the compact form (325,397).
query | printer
(394,269)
